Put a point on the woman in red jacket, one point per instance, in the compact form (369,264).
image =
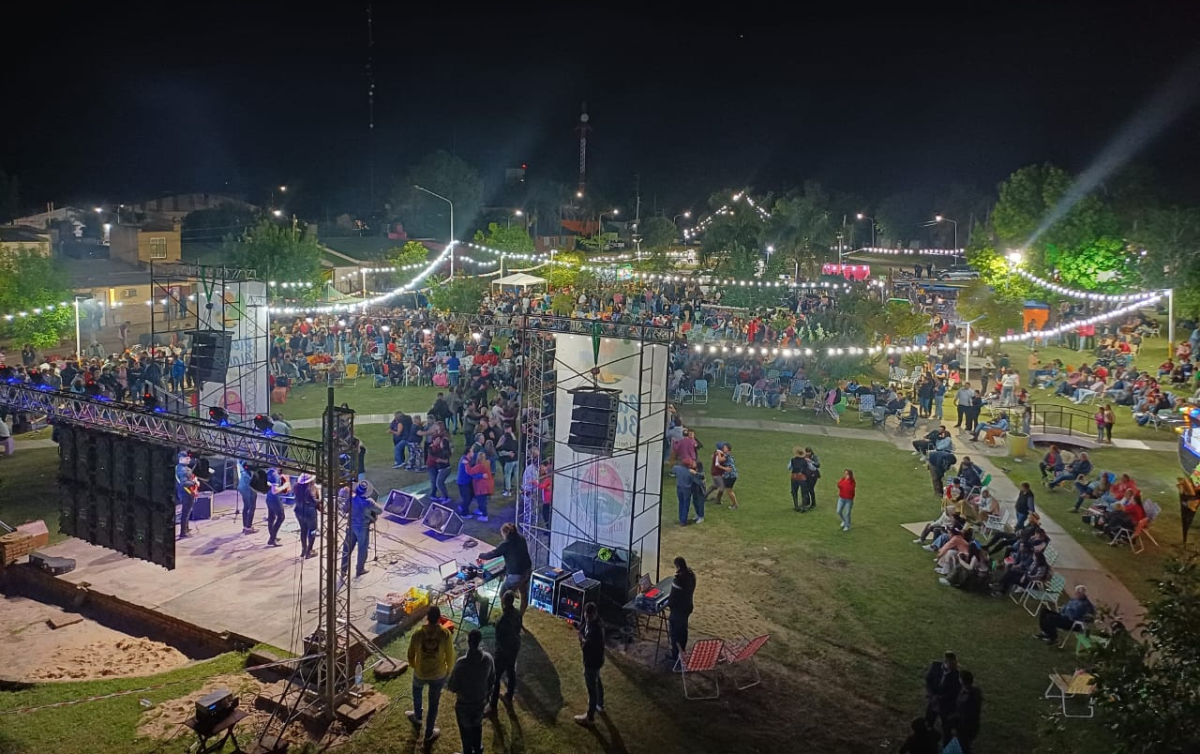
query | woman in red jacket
(845,501)
(482,483)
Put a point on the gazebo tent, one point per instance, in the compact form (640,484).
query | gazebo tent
(519,280)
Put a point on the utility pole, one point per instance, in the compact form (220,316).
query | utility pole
(637,214)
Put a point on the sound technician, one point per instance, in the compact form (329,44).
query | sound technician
(680,600)
(518,566)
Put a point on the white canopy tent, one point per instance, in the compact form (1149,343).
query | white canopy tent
(519,280)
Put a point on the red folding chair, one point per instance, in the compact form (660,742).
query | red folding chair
(744,655)
(702,659)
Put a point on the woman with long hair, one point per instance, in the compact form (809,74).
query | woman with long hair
(728,471)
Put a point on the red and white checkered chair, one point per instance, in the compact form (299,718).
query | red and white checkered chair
(702,659)
(743,654)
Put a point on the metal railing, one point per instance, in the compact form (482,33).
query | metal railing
(1053,419)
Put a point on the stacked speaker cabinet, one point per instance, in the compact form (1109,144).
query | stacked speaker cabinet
(593,420)
(442,520)
(210,354)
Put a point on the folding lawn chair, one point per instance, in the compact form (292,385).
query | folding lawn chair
(702,659)
(743,654)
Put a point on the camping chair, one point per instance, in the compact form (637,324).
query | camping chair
(999,523)
(1051,555)
(700,392)
(1133,537)
(351,374)
(866,405)
(702,659)
(1041,595)
(1078,628)
(1064,686)
(744,655)
(908,422)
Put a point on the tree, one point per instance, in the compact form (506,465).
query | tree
(734,232)
(658,233)
(899,217)
(564,271)
(1146,684)
(1170,239)
(504,238)
(10,200)
(458,295)
(801,229)
(281,253)
(999,313)
(1102,264)
(900,320)
(412,252)
(446,174)
(1027,214)
(30,281)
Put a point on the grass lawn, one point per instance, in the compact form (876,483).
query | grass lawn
(106,725)
(854,617)
(1155,474)
(308,401)
(29,488)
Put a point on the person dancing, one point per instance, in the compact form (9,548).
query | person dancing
(306,508)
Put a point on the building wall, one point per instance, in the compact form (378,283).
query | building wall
(135,245)
(42,247)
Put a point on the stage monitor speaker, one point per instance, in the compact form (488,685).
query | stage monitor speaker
(210,354)
(442,520)
(404,506)
(593,420)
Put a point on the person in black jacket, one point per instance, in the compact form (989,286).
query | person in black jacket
(941,689)
(591,638)
(969,711)
(680,600)
(518,566)
(508,645)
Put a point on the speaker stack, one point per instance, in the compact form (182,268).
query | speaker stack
(404,506)
(442,520)
(593,420)
(210,354)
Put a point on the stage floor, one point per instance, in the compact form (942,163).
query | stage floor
(227,581)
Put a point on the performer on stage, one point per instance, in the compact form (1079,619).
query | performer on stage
(307,506)
(249,497)
(363,512)
(186,488)
(280,486)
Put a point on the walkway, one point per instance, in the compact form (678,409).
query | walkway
(1074,562)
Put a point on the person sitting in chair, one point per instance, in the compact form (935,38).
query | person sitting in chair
(992,429)
(942,524)
(1081,466)
(1078,608)
(932,441)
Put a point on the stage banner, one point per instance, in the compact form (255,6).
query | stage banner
(241,310)
(613,501)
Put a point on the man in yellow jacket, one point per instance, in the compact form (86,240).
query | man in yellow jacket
(431,657)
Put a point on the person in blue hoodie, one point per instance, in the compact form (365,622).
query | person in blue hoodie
(280,486)
(178,371)
(249,498)
(466,490)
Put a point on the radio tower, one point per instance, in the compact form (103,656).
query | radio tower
(583,129)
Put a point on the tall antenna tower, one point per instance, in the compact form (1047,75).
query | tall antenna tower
(371,102)
(583,129)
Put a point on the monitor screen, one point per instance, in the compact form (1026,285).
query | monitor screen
(448,570)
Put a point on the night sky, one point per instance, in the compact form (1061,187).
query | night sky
(120,102)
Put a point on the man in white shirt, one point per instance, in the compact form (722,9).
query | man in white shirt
(962,402)
(1008,387)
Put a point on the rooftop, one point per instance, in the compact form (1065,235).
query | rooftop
(22,234)
(105,273)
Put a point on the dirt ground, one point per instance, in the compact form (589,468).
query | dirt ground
(164,721)
(36,652)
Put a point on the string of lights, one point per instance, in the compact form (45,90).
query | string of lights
(375,300)
(727,347)
(724,209)
(37,311)
(909,252)
(1083,295)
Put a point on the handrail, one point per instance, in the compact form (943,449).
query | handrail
(1059,420)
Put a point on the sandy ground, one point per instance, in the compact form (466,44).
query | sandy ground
(164,721)
(35,652)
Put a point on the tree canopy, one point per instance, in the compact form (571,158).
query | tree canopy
(458,295)
(658,233)
(412,252)
(505,238)
(281,253)
(30,281)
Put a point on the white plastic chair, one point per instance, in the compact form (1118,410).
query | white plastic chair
(700,392)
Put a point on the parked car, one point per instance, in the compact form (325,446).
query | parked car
(958,272)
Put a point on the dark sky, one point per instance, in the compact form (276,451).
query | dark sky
(123,101)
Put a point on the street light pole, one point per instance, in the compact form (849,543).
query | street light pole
(944,219)
(78,343)
(861,216)
(450,246)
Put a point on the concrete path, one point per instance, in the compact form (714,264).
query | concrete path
(1074,562)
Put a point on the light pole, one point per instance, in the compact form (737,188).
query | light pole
(944,219)
(686,214)
(861,216)
(78,340)
(450,246)
(967,361)
(600,225)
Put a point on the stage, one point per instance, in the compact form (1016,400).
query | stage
(227,581)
